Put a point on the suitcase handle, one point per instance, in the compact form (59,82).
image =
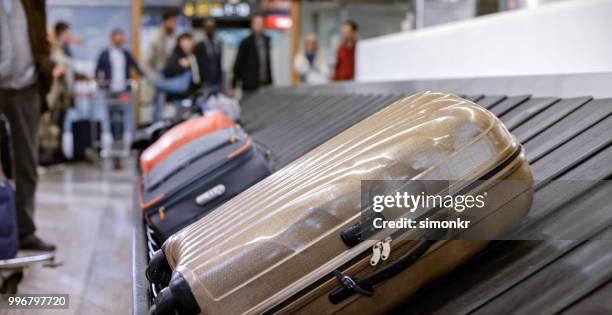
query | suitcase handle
(365,286)
(352,235)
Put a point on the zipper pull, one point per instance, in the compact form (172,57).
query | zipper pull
(386,248)
(376,252)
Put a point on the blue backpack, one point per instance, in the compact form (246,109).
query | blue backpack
(9,243)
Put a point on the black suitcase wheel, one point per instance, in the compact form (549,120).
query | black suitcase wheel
(176,298)
(158,271)
(164,303)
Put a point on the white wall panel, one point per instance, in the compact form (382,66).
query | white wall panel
(565,37)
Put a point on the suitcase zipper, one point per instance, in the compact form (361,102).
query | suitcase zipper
(380,251)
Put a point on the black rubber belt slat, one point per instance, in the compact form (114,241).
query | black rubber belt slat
(314,137)
(575,150)
(279,143)
(474,98)
(309,122)
(284,116)
(548,117)
(561,283)
(502,266)
(567,128)
(284,133)
(585,176)
(292,139)
(333,110)
(256,116)
(333,128)
(291,115)
(526,110)
(281,110)
(576,221)
(262,103)
(491,100)
(272,103)
(508,104)
(598,302)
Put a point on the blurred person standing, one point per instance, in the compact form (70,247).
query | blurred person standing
(25,79)
(310,64)
(59,99)
(113,72)
(163,42)
(63,35)
(345,55)
(208,54)
(65,39)
(183,60)
(115,63)
(159,49)
(252,65)
(60,95)
(61,54)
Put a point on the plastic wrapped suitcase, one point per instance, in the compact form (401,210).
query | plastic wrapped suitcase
(198,177)
(281,246)
(180,135)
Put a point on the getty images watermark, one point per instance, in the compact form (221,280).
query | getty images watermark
(486,209)
(411,203)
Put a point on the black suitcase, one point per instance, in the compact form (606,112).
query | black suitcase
(86,133)
(199,177)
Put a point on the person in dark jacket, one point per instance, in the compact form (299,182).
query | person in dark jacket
(180,61)
(115,63)
(113,73)
(208,54)
(252,66)
(26,73)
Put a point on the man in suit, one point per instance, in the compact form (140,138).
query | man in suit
(252,66)
(208,55)
(26,73)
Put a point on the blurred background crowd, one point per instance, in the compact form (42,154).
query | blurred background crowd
(162,57)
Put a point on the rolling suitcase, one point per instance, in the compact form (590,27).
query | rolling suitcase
(198,177)
(285,245)
(9,243)
(86,133)
(180,135)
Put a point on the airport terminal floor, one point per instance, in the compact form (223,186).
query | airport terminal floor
(86,209)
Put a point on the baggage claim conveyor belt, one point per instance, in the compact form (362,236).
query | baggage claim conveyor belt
(566,137)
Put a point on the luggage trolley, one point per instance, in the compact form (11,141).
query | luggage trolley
(11,270)
(120,125)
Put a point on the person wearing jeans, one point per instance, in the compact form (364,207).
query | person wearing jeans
(25,78)
(113,72)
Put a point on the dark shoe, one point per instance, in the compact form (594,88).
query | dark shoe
(32,242)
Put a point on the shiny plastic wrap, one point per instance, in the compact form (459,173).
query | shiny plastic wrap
(282,234)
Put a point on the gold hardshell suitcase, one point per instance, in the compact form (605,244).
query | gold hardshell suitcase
(279,246)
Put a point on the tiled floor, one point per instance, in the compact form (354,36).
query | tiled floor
(86,212)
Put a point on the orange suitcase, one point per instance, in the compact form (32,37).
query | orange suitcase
(180,135)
